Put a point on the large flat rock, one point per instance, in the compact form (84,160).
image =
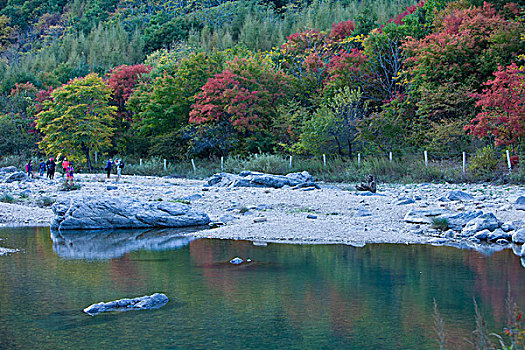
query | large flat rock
(93,213)
(254,179)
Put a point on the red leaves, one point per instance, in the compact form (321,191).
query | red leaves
(244,95)
(502,107)
(342,30)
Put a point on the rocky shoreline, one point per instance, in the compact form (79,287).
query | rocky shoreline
(313,214)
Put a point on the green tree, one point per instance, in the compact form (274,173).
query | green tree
(78,119)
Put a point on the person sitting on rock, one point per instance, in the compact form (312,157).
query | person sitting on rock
(369,186)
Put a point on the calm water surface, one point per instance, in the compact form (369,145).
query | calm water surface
(290,297)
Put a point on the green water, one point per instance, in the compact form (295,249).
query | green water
(290,297)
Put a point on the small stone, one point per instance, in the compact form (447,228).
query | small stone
(405,201)
(499,234)
(110,188)
(363,212)
(459,196)
(520,203)
(259,219)
(236,261)
(311,216)
(508,226)
(482,235)
(502,241)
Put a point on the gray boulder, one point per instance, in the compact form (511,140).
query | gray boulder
(254,179)
(92,213)
(456,222)
(8,169)
(519,236)
(424,216)
(482,235)
(459,196)
(405,201)
(16,176)
(508,226)
(520,203)
(146,302)
(486,221)
(499,234)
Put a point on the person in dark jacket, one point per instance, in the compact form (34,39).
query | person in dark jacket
(51,165)
(108,166)
(29,169)
(42,168)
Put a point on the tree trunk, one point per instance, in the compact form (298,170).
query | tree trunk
(350,153)
(88,159)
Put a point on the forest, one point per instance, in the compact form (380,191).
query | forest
(209,78)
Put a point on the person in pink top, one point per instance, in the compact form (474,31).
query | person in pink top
(65,164)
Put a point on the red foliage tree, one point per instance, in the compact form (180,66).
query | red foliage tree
(245,94)
(123,80)
(502,105)
(342,30)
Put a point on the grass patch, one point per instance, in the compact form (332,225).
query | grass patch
(7,198)
(439,223)
(45,202)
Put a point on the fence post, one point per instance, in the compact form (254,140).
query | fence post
(290,162)
(193,164)
(140,161)
(508,162)
(165,166)
(324,160)
(96,160)
(426,158)
(256,156)
(222,163)
(390,156)
(464,162)
(359,159)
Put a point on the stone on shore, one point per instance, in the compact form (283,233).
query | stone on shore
(424,216)
(16,176)
(405,201)
(519,236)
(459,196)
(92,213)
(486,221)
(456,222)
(146,302)
(254,179)
(520,203)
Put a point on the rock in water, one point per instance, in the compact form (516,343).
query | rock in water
(92,213)
(519,236)
(146,302)
(236,261)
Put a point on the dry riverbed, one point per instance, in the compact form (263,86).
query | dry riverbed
(336,213)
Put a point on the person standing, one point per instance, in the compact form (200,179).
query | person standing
(51,165)
(65,164)
(29,169)
(69,174)
(120,166)
(42,167)
(109,164)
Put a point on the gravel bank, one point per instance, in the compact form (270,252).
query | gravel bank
(336,213)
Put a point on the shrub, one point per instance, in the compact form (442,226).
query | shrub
(7,198)
(484,163)
(439,223)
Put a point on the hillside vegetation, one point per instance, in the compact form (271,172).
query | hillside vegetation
(180,79)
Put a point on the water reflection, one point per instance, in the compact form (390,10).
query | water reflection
(110,244)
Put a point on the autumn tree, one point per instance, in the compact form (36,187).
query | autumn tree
(78,119)
(245,95)
(502,103)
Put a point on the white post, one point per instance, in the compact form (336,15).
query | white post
(290,162)
(426,158)
(508,161)
(324,160)
(140,161)
(96,160)
(390,156)
(193,164)
(165,167)
(256,156)
(359,159)
(464,162)
(222,163)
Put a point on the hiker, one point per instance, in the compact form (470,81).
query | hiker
(69,174)
(42,167)
(51,168)
(108,166)
(29,169)
(120,166)
(65,164)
